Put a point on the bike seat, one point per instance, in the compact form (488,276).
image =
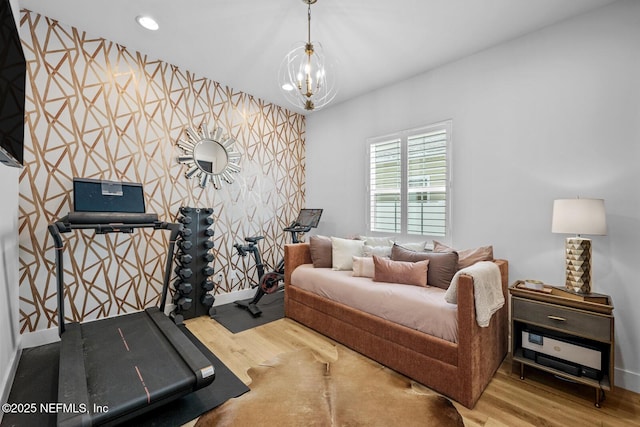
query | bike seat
(253,239)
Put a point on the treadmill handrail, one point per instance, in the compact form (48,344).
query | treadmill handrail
(61,227)
(112,227)
(176,229)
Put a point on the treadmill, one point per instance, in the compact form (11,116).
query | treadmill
(115,369)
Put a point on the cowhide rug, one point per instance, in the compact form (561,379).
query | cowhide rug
(298,389)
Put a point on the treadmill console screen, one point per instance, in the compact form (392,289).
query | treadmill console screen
(94,195)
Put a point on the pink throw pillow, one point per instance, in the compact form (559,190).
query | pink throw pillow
(363,267)
(404,272)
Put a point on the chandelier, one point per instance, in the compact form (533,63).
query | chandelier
(305,76)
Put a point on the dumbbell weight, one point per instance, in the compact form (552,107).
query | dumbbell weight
(207,300)
(178,319)
(184,288)
(185,259)
(207,271)
(184,273)
(207,285)
(208,244)
(208,257)
(209,232)
(183,303)
(185,245)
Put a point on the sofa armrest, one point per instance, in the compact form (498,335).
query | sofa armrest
(480,350)
(295,254)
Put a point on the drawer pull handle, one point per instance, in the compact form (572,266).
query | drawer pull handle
(558,318)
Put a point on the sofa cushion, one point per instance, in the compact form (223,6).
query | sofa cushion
(466,257)
(343,251)
(418,308)
(403,272)
(363,266)
(384,251)
(320,249)
(442,266)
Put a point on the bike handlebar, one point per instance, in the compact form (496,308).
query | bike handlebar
(297,228)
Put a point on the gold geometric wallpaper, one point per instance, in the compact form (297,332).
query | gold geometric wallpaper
(97,110)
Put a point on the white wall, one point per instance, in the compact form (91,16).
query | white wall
(9,333)
(554,114)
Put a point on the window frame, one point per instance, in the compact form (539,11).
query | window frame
(404,136)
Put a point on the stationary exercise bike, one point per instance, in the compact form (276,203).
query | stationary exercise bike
(273,281)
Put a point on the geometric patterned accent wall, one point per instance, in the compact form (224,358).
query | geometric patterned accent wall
(97,110)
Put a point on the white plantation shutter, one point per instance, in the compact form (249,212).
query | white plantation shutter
(408,182)
(385,182)
(427,183)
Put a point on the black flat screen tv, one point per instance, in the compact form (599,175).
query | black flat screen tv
(13,72)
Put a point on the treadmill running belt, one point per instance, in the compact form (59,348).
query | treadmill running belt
(129,365)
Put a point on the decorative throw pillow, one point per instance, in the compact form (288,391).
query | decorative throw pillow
(467,257)
(384,251)
(343,251)
(320,248)
(404,272)
(442,266)
(363,267)
(377,241)
(413,246)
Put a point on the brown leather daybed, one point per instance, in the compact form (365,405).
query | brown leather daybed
(460,370)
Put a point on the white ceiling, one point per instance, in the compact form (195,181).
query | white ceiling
(240,43)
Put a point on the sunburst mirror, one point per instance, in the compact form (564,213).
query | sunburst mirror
(209,156)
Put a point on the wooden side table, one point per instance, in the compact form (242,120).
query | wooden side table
(546,324)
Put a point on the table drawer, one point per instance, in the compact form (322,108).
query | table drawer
(564,319)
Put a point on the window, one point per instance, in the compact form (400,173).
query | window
(408,182)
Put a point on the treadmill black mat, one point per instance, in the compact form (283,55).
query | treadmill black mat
(237,319)
(36,381)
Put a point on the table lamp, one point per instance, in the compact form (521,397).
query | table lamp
(579,216)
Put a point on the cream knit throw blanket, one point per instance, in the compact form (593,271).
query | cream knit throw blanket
(487,289)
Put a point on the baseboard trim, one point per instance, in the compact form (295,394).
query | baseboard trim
(627,380)
(8,379)
(234,296)
(41,337)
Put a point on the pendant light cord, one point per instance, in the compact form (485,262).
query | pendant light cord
(309,24)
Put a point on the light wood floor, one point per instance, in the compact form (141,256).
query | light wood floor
(539,400)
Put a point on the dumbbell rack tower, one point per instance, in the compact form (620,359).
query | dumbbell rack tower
(193,296)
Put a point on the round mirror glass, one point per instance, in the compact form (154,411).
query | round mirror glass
(210,156)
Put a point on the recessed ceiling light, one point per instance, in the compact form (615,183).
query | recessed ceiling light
(147,22)
(287,87)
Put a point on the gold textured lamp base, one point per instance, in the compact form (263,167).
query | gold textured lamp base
(578,253)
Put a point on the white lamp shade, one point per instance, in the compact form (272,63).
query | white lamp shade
(579,216)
